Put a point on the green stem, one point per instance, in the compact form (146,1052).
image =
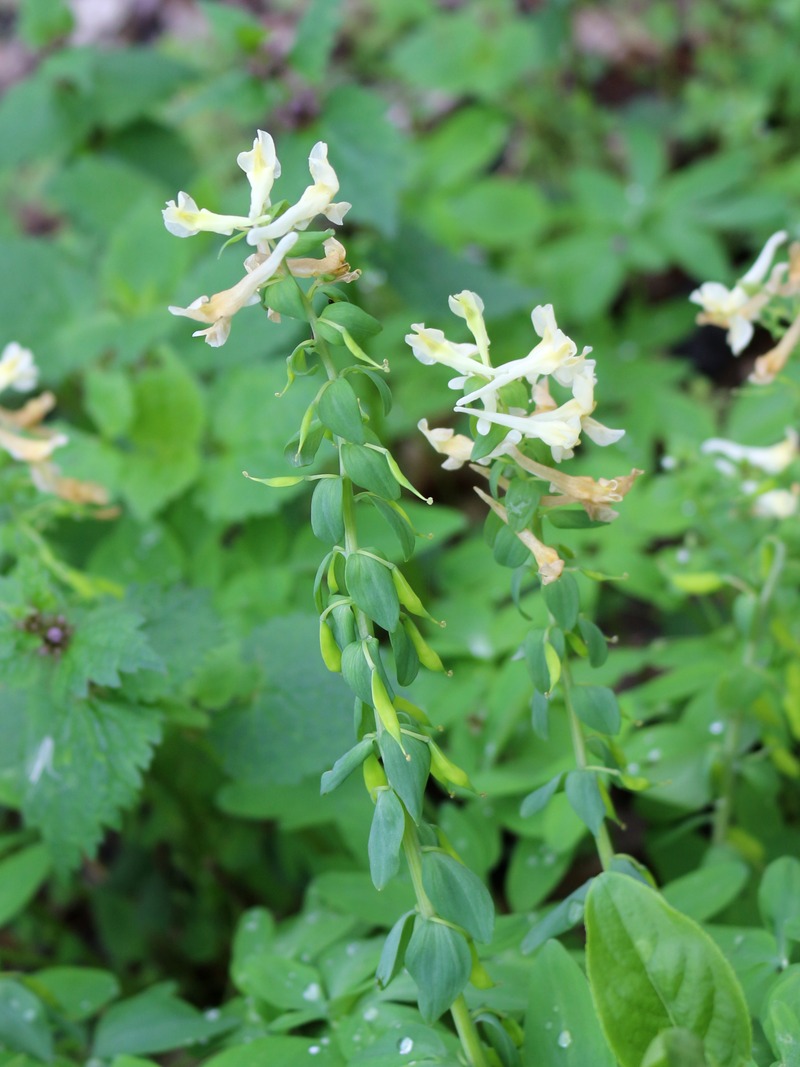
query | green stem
(467,1033)
(605,848)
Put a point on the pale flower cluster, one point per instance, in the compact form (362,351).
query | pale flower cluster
(264,224)
(768,501)
(554,358)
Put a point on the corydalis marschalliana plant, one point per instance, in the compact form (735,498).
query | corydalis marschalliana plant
(274,230)
(766,294)
(519,416)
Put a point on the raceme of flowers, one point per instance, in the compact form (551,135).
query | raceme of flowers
(738,309)
(264,225)
(554,358)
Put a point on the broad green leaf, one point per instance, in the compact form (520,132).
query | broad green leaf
(385,838)
(538,799)
(255,935)
(109,400)
(458,894)
(675,1048)
(564,916)
(356,671)
(406,659)
(597,706)
(780,1018)
(80,991)
(561,1027)
(285,983)
(563,601)
(394,949)
(407,776)
(369,583)
(370,470)
(345,765)
(520,502)
(585,798)
(23,1021)
(534,645)
(704,893)
(535,870)
(360,325)
(338,410)
(396,518)
(779,900)
(652,969)
(439,961)
(595,642)
(326,511)
(279,1050)
(155,1021)
(21,875)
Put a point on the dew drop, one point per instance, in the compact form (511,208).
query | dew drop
(716,727)
(548,1026)
(212,1014)
(564,1039)
(352,949)
(404,1046)
(313,1050)
(370,1014)
(29,1015)
(654,755)
(312,991)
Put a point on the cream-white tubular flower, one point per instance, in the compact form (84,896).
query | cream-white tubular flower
(457,447)
(17,368)
(262,167)
(776,504)
(218,310)
(31,449)
(185,219)
(316,200)
(560,427)
(738,308)
(431,346)
(469,306)
(769,365)
(772,459)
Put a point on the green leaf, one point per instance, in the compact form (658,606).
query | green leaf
(597,706)
(561,1028)
(394,949)
(675,1048)
(780,1018)
(285,983)
(583,794)
(326,511)
(399,522)
(43,21)
(703,893)
(109,400)
(358,323)
(406,659)
(385,838)
(338,409)
(370,470)
(356,671)
(540,797)
(407,777)
(370,585)
(595,642)
(284,297)
(563,601)
(779,900)
(279,1050)
(439,961)
(21,875)
(344,766)
(534,645)
(23,1021)
(458,894)
(80,991)
(254,936)
(564,916)
(652,969)
(154,1021)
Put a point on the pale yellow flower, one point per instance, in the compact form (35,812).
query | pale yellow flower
(768,366)
(262,167)
(469,306)
(777,503)
(431,346)
(185,219)
(218,310)
(457,447)
(772,459)
(17,368)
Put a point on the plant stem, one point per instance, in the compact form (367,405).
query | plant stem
(605,849)
(467,1033)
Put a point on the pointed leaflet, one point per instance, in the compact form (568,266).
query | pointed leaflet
(385,838)
(408,777)
(394,949)
(326,511)
(597,706)
(458,894)
(561,1028)
(439,961)
(652,969)
(585,798)
(344,766)
(370,470)
(563,601)
(338,410)
(370,585)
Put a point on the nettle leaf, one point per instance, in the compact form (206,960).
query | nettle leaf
(84,764)
(107,641)
(563,601)
(326,511)
(439,961)
(338,410)
(408,777)
(458,894)
(345,765)
(597,706)
(585,798)
(154,1021)
(561,1027)
(652,969)
(369,583)
(394,949)
(779,900)
(385,838)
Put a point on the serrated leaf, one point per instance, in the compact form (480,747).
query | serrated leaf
(597,706)
(385,838)
(652,969)
(458,894)
(338,410)
(370,585)
(561,1028)
(439,961)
